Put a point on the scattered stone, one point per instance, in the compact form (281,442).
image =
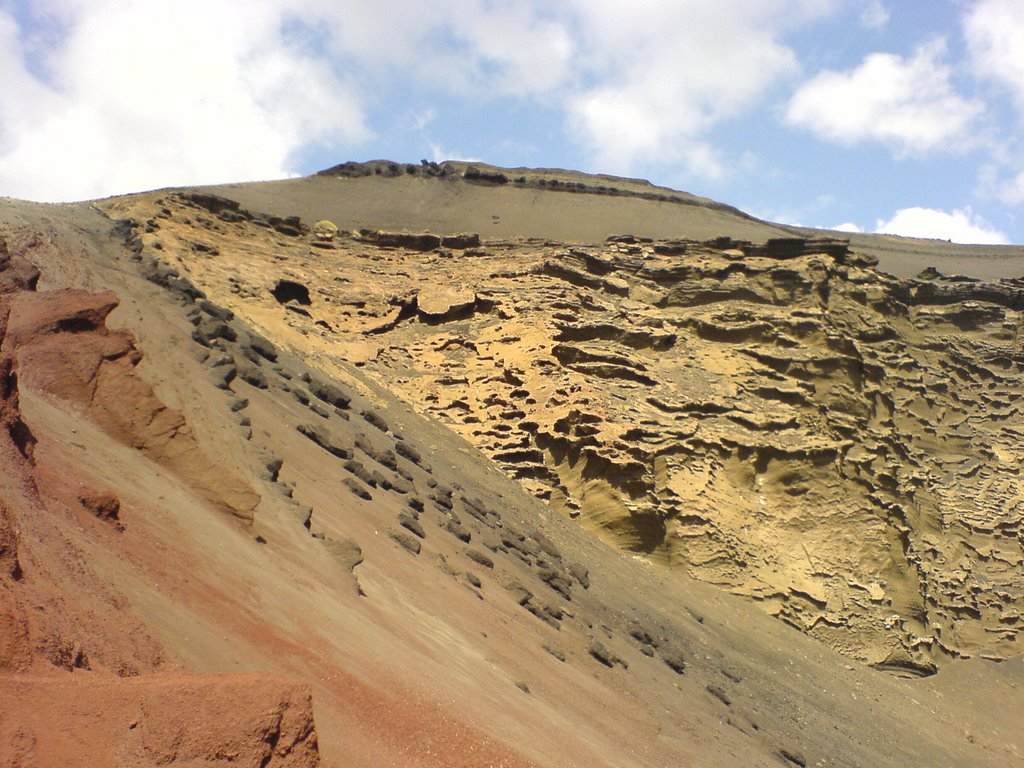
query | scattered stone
(346,551)
(251,374)
(286,291)
(325,440)
(546,612)
(461,241)
(303,513)
(220,313)
(555,651)
(329,393)
(479,557)
(673,658)
(357,469)
(104,506)
(554,579)
(546,545)
(404,540)
(407,452)
(325,230)
(443,303)
(380,480)
(411,524)
(719,694)
(357,488)
(796,758)
(489,540)
(209,331)
(273,469)
(520,593)
(472,173)
(374,419)
(385,458)
(400,485)
(458,530)
(442,497)
(641,635)
(221,376)
(581,574)
(413,241)
(605,655)
(262,347)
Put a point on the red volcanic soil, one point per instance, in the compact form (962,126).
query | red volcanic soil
(80,679)
(163,719)
(65,350)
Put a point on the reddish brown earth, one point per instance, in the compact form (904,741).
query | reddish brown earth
(65,350)
(216,548)
(81,683)
(163,719)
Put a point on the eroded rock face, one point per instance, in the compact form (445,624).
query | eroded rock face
(781,420)
(64,348)
(82,682)
(169,719)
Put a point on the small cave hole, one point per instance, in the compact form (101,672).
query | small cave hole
(289,290)
(76,325)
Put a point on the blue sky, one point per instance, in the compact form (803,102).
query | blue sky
(903,117)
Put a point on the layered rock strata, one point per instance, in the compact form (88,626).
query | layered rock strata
(779,419)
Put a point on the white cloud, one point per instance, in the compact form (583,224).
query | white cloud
(439,154)
(423,118)
(874,15)
(658,77)
(959,226)
(517,51)
(143,96)
(155,93)
(796,216)
(994,30)
(847,226)
(1010,190)
(908,104)
(1000,180)
(476,48)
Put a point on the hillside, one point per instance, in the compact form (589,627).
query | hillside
(469,483)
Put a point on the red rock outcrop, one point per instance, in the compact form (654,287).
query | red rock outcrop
(81,680)
(64,349)
(15,649)
(188,720)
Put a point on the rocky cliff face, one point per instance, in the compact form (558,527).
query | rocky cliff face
(782,420)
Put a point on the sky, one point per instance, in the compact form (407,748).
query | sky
(865,115)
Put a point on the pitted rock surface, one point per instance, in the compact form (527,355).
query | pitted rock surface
(779,419)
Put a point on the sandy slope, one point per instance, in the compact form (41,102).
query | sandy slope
(436,658)
(449,204)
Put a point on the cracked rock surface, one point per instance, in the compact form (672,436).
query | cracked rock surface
(780,419)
